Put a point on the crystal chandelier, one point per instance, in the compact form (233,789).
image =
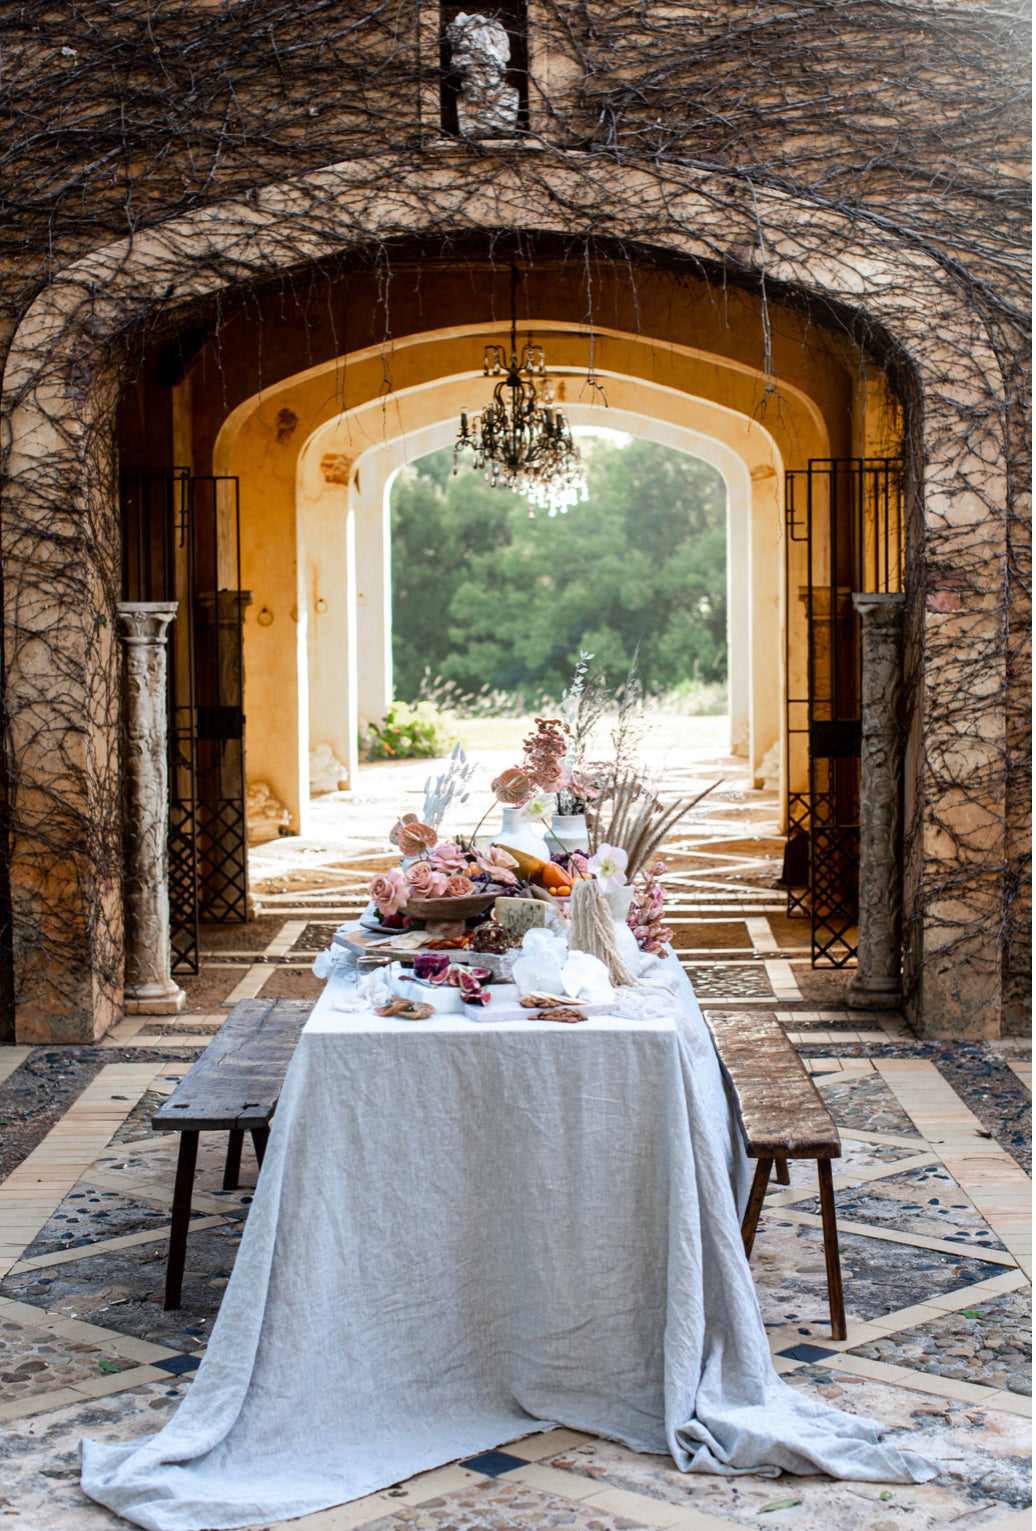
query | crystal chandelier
(521,441)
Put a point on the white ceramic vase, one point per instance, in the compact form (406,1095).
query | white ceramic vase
(517,833)
(619,900)
(570,829)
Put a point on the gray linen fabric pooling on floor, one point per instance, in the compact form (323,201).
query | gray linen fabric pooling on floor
(463,1233)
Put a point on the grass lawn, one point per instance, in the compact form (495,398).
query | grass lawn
(710,735)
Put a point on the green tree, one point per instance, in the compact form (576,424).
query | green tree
(481,593)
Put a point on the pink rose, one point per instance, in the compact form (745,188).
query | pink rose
(416,839)
(389,892)
(552,776)
(448,857)
(498,863)
(424,881)
(459,887)
(583,788)
(512,788)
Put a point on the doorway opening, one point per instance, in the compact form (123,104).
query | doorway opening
(492,607)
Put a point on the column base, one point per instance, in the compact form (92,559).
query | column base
(153,999)
(861,995)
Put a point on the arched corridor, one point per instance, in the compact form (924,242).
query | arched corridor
(315,380)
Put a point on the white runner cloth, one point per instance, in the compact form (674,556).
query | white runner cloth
(464,1232)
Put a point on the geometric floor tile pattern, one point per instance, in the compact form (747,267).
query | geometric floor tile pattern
(729,980)
(924,1200)
(933,1237)
(938,1314)
(880,1277)
(866,1104)
(986,1343)
(34,1361)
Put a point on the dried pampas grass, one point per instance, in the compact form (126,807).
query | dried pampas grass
(635,820)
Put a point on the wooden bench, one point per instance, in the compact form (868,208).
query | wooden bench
(781,1117)
(233,1087)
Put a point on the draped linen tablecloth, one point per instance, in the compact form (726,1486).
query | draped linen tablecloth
(465,1231)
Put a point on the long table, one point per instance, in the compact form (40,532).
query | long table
(467,1230)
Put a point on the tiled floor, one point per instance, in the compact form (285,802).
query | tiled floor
(933,1214)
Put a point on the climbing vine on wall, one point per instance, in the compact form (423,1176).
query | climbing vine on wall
(864,163)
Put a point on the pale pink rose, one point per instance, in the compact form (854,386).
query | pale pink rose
(498,863)
(459,887)
(552,776)
(400,825)
(448,857)
(583,787)
(416,839)
(512,788)
(389,892)
(424,881)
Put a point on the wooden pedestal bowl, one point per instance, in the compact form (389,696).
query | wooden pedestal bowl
(444,917)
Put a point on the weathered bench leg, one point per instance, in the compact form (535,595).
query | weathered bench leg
(184,1186)
(260,1137)
(232,1168)
(836,1301)
(756,1197)
(780,1169)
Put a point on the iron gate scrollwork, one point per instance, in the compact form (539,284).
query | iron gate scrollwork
(844,526)
(181,541)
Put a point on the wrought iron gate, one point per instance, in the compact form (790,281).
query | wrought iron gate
(844,525)
(181,541)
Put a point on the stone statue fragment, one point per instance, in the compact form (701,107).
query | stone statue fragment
(487,107)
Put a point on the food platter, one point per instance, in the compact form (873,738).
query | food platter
(446,999)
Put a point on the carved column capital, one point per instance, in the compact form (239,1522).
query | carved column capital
(144,621)
(880,607)
(881,617)
(226,607)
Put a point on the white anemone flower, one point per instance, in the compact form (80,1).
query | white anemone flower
(538,808)
(608,864)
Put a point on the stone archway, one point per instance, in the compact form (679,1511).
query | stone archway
(755,586)
(754,721)
(60,526)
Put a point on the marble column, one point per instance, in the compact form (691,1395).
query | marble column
(149,988)
(877,983)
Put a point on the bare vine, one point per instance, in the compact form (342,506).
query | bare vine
(863,163)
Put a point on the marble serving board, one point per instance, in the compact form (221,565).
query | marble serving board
(444,997)
(398,943)
(400,946)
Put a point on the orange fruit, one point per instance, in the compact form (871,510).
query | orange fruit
(555,879)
